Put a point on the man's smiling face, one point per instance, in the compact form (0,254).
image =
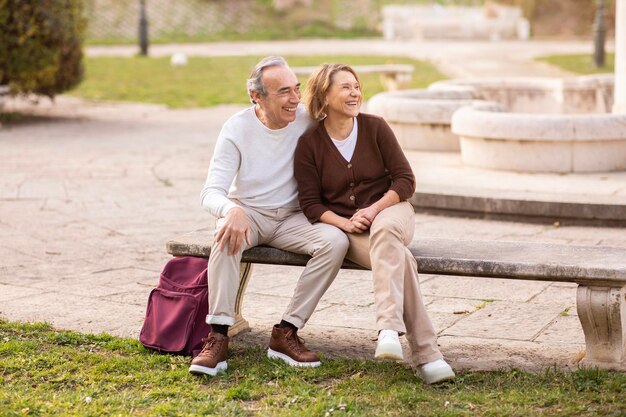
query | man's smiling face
(278,107)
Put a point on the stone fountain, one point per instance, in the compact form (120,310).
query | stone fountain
(549,150)
(531,125)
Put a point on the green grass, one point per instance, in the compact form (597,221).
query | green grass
(207,82)
(45,372)
(579,64)
(277,30)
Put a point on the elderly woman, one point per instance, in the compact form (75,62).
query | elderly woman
(352,174)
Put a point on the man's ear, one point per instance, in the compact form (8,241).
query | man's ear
(255,96)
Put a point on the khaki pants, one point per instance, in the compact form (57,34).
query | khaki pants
(286,229)
(398,299)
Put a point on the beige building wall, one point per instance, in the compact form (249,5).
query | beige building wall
(620,58)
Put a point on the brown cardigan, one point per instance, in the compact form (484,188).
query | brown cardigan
(326,181)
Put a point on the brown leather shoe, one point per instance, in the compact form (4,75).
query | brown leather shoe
(286,345)
(212,358)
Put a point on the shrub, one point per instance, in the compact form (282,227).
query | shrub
(41,45)
(565,18)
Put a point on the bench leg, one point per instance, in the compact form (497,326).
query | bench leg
(241,324)
(602,313)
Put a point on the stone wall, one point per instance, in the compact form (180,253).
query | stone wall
(117,20)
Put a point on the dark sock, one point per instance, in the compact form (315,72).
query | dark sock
(220,328)
(285,324)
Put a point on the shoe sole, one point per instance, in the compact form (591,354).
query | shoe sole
(204,370)
(440,375)
(272,354)
(388,356)
(392,352)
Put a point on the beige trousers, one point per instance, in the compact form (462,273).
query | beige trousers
(286,229)
(397,295)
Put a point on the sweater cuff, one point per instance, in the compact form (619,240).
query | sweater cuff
(227,207)
(402,192)
(314,213)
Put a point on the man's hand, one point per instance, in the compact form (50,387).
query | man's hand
(233,231)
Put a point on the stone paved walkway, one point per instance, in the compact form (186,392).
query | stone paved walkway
(90,193)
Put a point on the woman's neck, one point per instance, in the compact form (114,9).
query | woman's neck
(339,128)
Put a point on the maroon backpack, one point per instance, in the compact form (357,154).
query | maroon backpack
(177,308)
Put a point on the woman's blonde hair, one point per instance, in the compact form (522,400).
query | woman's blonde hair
(317,86)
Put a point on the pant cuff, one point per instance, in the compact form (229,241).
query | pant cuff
(423,359)
(295,321)
(390,325)
(224,320)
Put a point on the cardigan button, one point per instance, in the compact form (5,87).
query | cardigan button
(349,165)
(352,197)
(351,184)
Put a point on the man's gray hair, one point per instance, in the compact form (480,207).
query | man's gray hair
(255,82)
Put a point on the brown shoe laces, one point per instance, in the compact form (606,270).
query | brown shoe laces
(209,342)
(296,343)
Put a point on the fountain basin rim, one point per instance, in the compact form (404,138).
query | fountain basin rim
(488,124)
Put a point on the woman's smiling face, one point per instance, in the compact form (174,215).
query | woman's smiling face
(344,95)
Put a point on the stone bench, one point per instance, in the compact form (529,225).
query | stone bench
(392,76)
(600,273)
(434,21)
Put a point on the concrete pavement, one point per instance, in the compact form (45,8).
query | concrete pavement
(90,193)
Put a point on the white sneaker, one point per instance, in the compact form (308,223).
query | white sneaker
(389,346)
(436,371)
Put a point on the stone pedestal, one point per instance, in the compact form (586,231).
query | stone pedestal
(602,313)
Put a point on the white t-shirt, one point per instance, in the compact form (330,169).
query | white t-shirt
(254,164)
(346,146)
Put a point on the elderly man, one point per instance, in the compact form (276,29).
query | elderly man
(251,189)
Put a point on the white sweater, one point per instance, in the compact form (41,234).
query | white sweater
(253,164)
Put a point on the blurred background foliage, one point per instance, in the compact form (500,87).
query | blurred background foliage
(564,18)
(41,45)
(115,21)
(41,41)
